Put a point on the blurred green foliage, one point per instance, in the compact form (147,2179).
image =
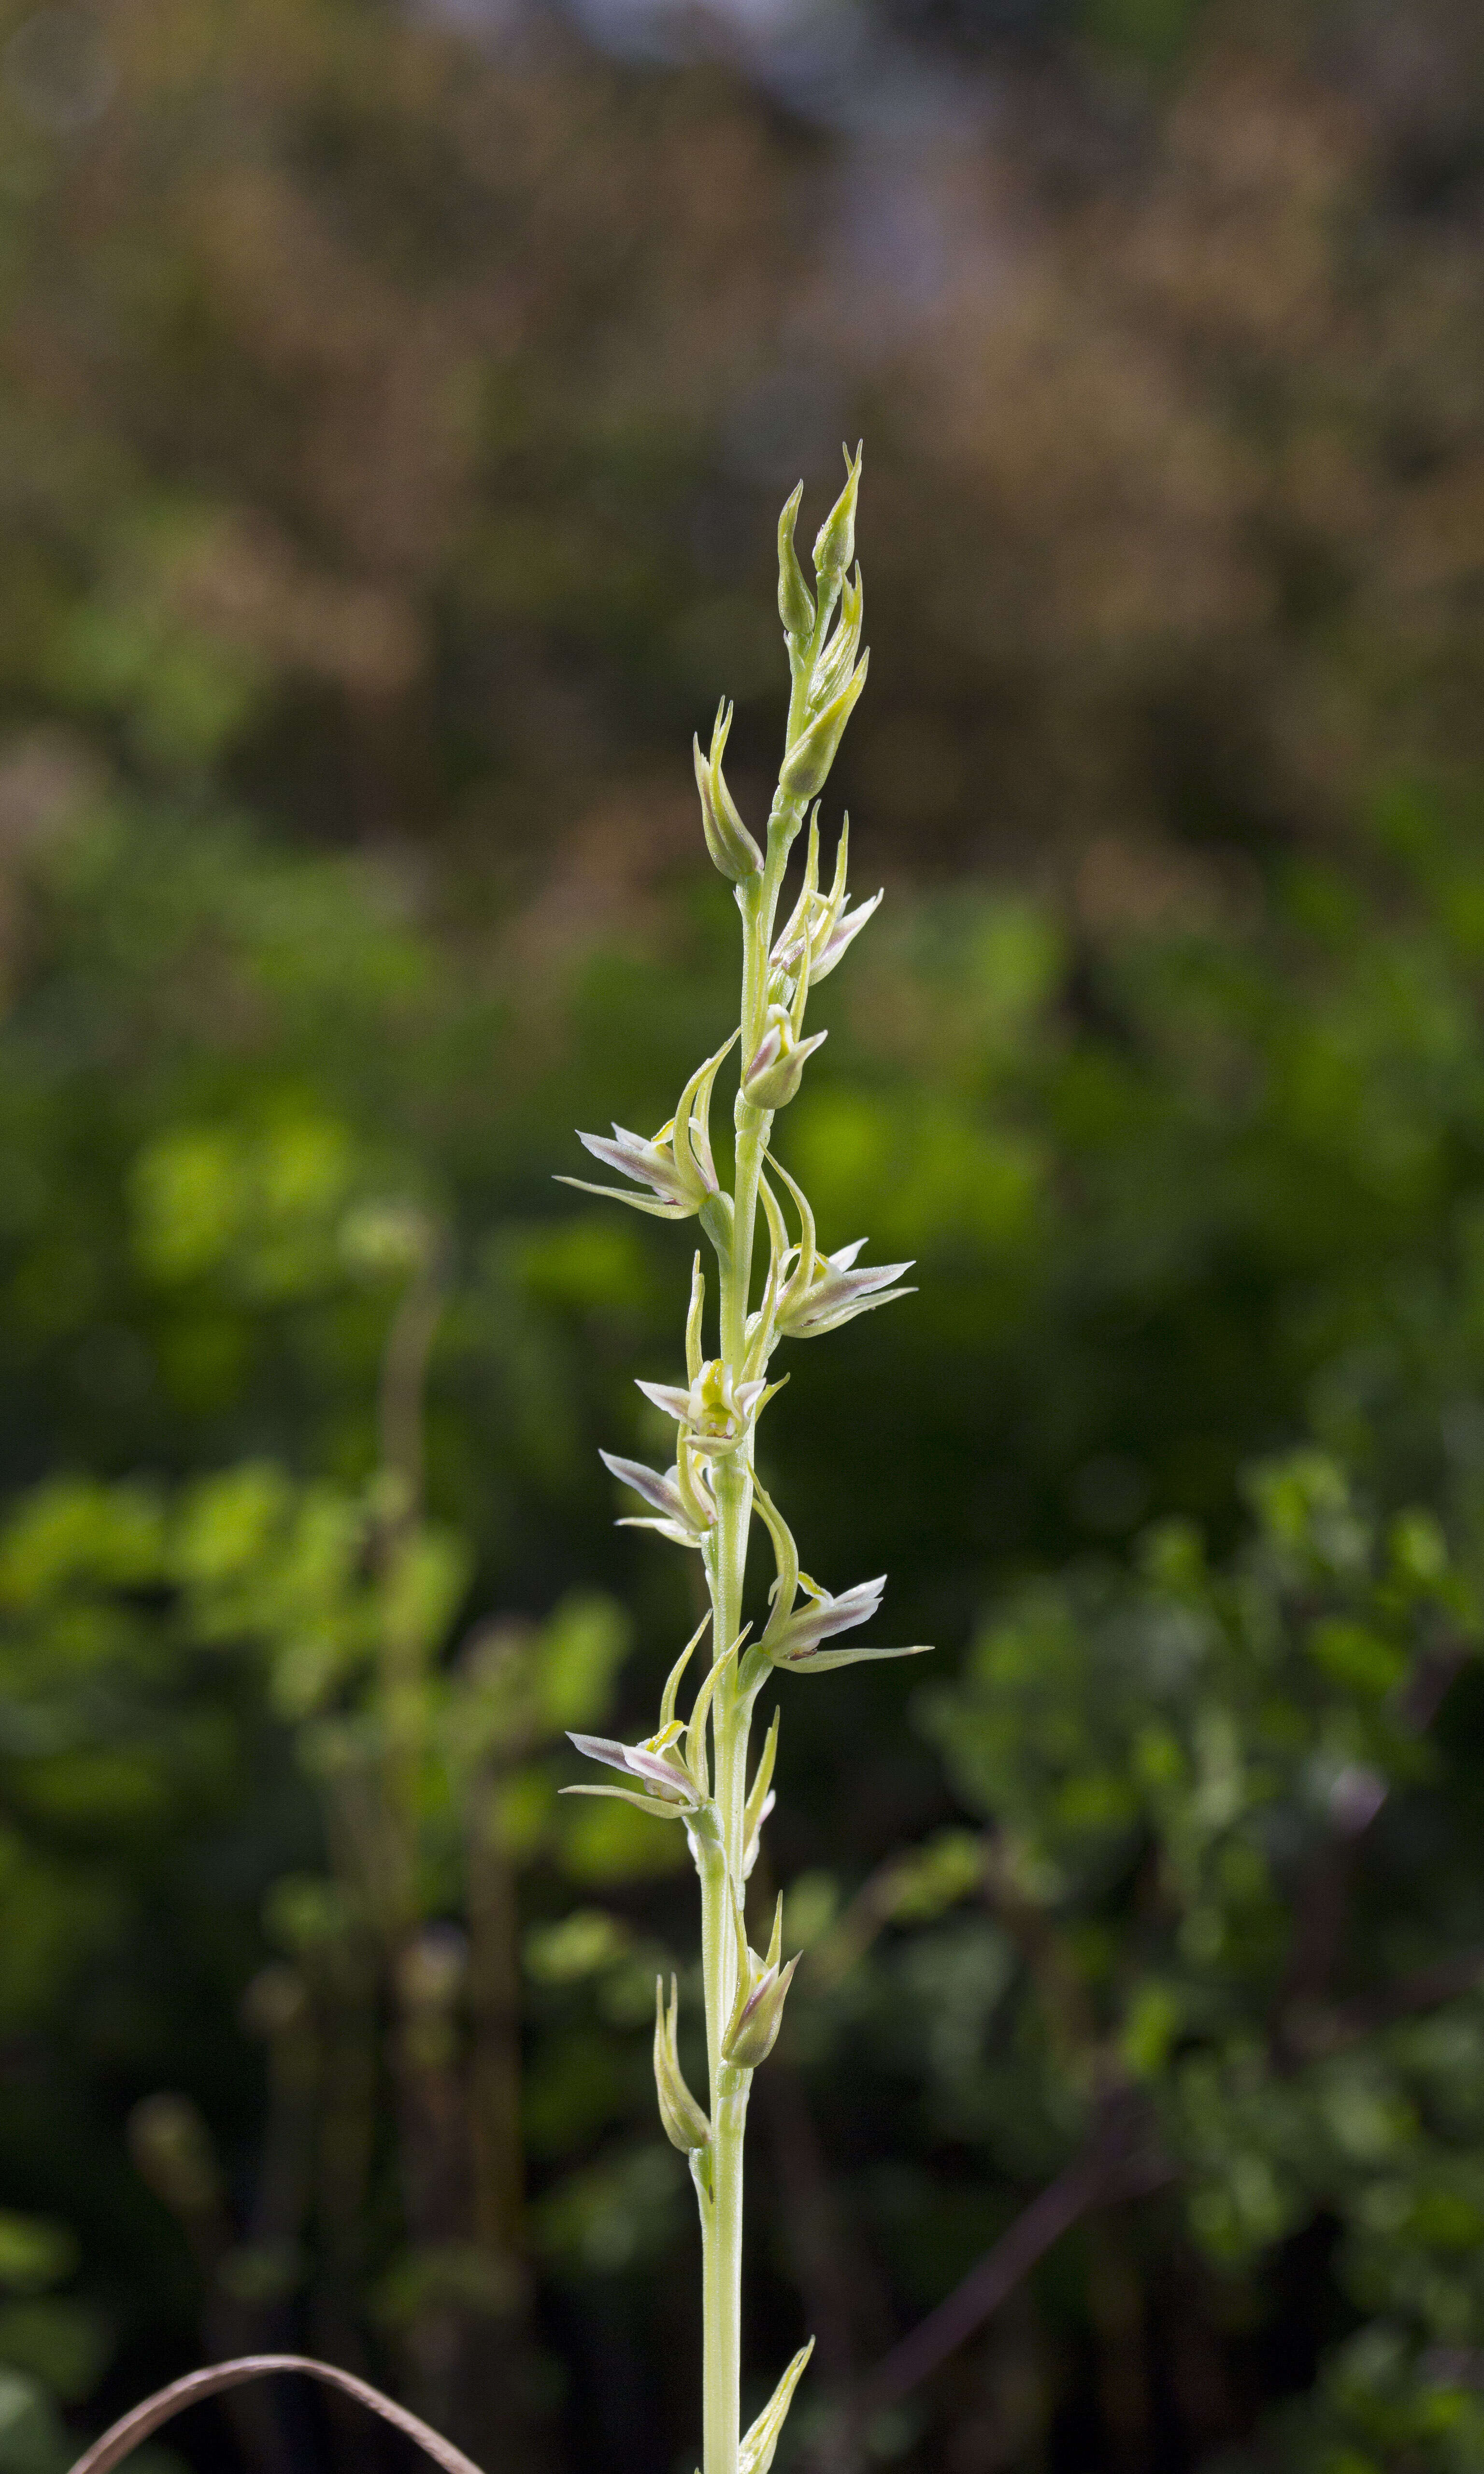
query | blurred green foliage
(1174,1196)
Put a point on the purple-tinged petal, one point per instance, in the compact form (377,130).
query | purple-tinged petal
(661,1492)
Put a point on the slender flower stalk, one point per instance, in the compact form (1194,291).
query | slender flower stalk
(696,1771)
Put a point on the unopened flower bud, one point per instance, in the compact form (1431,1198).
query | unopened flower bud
(776,1069)
(835,546)
(756,2032)
(796,602)
(807,763)
(731,846)
(762,1988)
(685,2125)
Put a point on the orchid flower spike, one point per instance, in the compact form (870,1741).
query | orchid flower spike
(698,1771)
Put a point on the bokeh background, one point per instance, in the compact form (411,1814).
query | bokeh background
(395,401)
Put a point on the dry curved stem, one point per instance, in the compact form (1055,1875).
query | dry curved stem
(124,2436)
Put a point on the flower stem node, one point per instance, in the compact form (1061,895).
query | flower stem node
(762,1988)
(686,2127)
(776,1068)
(731,846)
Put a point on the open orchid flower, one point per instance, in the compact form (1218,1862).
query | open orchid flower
(717,1411)
(837,1292)
(794,1641)
(682,1498)
(675,1164)
(816,1292)
(671,1764)
(656,1766)
(822,925)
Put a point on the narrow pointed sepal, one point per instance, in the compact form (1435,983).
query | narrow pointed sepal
(755,2454)
(685,1512)
(625,1795)
(654,1204)
(760,1801)
(815,1662)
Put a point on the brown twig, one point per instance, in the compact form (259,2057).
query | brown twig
(126,2435)
(1329,2031)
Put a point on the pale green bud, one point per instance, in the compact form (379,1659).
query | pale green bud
(685,2125)
(835,546)
(796,602)
(731,846)
(776,1068)
(813,752)
(762,1988)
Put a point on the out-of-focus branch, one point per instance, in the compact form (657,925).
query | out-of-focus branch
(1322,1907)
(1116,2161)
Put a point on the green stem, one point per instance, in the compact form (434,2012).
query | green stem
(721,1867)
(722,2275)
